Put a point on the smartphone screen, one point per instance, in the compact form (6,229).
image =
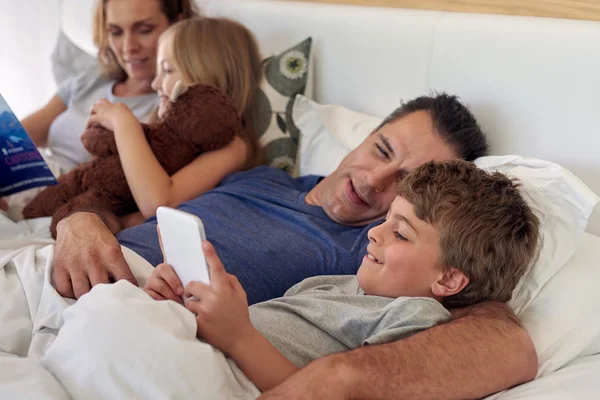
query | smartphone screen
(182,235)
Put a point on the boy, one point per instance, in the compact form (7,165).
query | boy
(454,236)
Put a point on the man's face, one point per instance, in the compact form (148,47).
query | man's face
(362,188)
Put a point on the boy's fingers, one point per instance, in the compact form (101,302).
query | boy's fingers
(154,294)
(162,287)
(171,278)
(196,289)
(193,306)
(218,276)
(236,285)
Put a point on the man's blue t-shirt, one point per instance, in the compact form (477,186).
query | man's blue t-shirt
(265,233)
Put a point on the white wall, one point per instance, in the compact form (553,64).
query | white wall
(28,30)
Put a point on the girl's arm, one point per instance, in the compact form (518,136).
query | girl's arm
(150,185)
(223,320)
(38,124)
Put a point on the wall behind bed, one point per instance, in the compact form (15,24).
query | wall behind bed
(28,32)
(532,82)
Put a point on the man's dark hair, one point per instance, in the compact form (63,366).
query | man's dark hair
(451,120)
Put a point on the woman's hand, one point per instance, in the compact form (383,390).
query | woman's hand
(109,115)
(221,308)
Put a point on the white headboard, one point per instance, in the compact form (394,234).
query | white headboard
(533,83)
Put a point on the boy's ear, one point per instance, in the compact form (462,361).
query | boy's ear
(452,282)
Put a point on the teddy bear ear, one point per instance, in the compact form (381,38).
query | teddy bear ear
(178,89)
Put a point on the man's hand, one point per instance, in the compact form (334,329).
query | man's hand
(86,253)
(222,308)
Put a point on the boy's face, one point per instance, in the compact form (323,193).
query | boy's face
(403,256)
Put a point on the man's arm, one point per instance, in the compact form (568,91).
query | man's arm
(482,351)
(86,253)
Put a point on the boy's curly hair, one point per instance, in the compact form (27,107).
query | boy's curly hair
(487,230)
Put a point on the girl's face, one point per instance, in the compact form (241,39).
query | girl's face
(167,74)
(133,28)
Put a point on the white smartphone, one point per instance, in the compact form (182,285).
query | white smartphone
(182,235)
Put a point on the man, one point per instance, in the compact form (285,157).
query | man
(315,226)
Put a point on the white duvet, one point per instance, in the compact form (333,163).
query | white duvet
(116,342)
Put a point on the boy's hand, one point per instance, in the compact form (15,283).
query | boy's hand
(164,284)
(222,307)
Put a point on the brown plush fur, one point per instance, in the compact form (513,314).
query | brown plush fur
(202,119)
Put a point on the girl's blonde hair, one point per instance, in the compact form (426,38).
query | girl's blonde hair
(174,10)
(223,53)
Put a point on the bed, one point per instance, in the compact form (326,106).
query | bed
(532,84)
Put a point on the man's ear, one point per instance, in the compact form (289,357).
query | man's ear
(452,282)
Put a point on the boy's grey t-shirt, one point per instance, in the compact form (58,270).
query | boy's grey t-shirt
(328,314)
(79,94)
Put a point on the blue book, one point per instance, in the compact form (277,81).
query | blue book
(21,164)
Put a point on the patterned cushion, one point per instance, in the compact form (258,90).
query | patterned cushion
(286,76)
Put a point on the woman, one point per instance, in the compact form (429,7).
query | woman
(126,33)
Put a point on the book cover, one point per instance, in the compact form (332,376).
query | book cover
(21,165)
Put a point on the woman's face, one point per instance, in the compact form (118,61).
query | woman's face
(133,28)
(167,73)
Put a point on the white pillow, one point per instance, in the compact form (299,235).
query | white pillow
(556,306)
(564,318)
(328,134)
(563,204)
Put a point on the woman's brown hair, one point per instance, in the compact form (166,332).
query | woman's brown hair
(174,10)
(225,54)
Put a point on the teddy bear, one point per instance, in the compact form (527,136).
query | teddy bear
(198,118)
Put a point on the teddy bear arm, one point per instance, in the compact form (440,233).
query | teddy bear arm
(45,203)
(99,141)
